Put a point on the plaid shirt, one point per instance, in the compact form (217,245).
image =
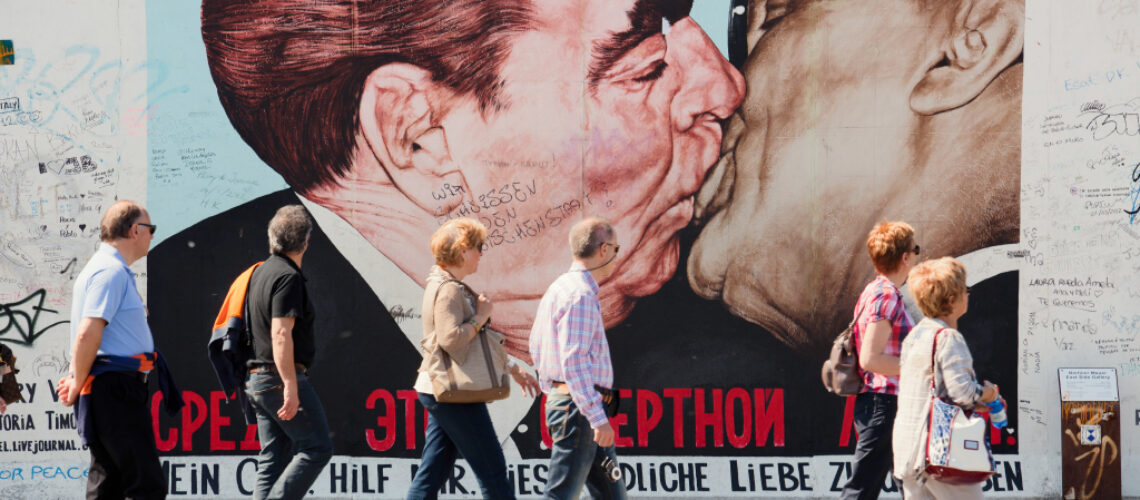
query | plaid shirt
(882,300)
(568,342)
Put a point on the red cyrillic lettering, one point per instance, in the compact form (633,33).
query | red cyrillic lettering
(622,419)
(387,421)
(678,396)
(191,423)
(409,398)
(769,416)
(848,422)
(714,419)
(647,420)
(216,423)
(735,395)
(162,444)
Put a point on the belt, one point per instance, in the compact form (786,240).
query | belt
(272,368)
(606,392)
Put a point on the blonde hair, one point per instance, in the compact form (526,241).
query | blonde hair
(887,242)
(936,284)
(453,237)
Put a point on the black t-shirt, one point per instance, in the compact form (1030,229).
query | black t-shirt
(277,290)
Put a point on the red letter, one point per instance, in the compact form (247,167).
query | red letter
(542,423)
(216,423)
(715,419)
(771,417)
(848,422)
(410,398)
(621,419)
(250,442)
(189,422)
(162,444)
(737,394)
(678,396)
(387,421)
(647,420)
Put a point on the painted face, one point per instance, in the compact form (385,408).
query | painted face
(825,145)
(605,115)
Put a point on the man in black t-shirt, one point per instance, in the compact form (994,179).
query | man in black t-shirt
(289,413)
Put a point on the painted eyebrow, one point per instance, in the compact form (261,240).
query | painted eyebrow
(645,21)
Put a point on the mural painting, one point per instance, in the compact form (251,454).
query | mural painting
(742,148)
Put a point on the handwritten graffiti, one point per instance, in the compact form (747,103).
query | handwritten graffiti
(1134,202)
(23,316)
(1108,121)
(1091,414)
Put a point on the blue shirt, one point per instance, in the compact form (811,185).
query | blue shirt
(106,289)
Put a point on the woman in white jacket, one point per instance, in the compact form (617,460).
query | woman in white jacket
(939,287)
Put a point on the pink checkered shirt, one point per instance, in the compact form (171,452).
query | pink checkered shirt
(568,342)
(882,300)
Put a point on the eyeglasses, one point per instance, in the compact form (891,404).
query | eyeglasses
(967,290)
(616,247)
(151,227)
(917,249)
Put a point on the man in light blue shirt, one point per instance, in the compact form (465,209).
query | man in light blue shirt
(111,339)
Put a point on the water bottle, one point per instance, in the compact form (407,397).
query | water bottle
(997,413)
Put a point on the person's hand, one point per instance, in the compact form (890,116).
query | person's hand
(991,389)
(63,389)
(484,307)
(3,405)
(604,435)
(525,380)
(289,407)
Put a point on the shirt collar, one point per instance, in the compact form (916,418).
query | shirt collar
(107,249)
(290,262)
(579,267)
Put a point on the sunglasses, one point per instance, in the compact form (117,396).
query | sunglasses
(616,247)
(917,249)
(151,227)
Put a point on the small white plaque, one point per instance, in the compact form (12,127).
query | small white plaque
(1090,435)
(1088,384)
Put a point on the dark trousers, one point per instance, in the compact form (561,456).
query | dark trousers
(874,419)
(460,428)
(124,462)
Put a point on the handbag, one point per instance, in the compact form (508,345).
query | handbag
(840,373)
(479,377)
(957,451)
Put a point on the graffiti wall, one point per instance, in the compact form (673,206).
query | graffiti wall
(742,149)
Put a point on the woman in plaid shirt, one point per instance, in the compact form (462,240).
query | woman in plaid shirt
(881,323)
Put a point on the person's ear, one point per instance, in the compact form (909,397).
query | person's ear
(400,111)
(986,38)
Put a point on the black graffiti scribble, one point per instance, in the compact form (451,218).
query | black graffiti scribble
(22,317)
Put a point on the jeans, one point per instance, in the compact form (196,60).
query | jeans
(874,419)
(455,428)
(293,452)
(575,459)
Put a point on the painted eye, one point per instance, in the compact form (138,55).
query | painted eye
(646,78)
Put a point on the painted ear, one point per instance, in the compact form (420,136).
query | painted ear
(400,110)
(987,37)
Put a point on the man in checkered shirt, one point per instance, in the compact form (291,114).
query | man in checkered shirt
(570,352)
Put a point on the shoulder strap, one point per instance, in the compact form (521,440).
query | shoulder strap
(934,360)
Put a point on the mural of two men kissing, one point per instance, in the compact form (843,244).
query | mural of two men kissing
(741,196)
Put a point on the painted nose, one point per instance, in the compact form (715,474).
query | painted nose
(711,88)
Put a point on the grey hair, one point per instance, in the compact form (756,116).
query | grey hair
(587,236)
(289,230)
